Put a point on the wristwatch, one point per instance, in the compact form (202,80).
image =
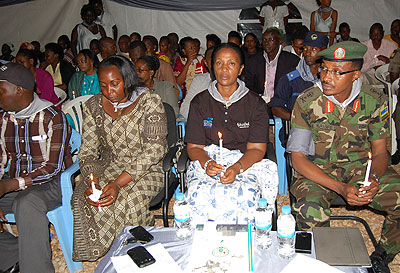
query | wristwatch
(21,183)
(374,175)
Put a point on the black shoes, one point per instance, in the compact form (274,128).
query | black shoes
(380,260)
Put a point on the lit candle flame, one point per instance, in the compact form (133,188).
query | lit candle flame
(369,155)
(220,135)
(91,177)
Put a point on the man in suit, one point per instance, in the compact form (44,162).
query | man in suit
(263,70)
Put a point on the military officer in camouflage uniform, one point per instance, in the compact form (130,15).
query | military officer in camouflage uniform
(332,133)
(394,69)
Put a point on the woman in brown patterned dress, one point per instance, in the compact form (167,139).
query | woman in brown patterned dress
(123,143)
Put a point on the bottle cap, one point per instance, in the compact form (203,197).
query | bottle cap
(262,202)
(286,209)
(179,196)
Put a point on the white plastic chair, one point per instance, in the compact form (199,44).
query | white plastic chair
(382,73)
(73,110)
(61,94)
(395,88)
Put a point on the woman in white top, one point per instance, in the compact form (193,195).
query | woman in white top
(86,31)
(274,14)
(324,20)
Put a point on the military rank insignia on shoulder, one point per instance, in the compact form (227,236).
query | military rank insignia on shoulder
(376,93)
(308,95)
(293,75)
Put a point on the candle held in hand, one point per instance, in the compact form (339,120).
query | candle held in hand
(95,196)
(367,173)
(220,147)
(220,150)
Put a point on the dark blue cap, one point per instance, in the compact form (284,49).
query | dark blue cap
(315,39)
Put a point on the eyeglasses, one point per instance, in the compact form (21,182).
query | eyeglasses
(336,73)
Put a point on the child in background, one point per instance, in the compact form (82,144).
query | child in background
(164,49)
(189,64)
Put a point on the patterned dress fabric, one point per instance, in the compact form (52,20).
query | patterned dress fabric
(134,143)
(230,203)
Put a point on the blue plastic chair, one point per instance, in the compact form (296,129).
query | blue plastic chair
(280,156)
(61,217)
(180,92)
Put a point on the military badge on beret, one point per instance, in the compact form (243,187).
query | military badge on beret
(339,53)
(314,37)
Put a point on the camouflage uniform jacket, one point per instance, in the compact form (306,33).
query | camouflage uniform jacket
(341,136)
(394,65)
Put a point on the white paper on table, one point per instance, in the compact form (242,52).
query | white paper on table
(124,264)
(302,263)
(204,242)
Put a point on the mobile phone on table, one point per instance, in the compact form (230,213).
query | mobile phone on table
(141,256)
(303,242)
(141,235)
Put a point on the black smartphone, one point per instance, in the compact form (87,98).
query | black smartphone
(141,256)
(141,235)
(303,242)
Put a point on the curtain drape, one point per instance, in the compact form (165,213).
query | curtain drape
(192,5)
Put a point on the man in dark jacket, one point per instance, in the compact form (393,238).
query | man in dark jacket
(263,70)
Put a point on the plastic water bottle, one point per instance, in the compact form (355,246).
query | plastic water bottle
(286,233)
(263,221)
(182,212)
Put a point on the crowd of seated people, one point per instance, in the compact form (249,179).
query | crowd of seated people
(231,87)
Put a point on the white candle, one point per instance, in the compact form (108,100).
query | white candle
(95,192)
(220,151)
(92,182)
(366,182)
(220,148)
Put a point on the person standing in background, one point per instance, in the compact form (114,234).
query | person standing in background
(274,13)
(104,19)
(324,20)
(86,31)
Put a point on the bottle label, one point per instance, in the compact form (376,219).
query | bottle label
(181,214)
(286,229)
(286,233)
(263,220)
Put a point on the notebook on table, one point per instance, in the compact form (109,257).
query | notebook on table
(340,246)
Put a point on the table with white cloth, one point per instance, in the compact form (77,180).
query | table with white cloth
(264,260)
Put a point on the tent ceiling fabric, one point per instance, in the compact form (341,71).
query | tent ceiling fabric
(192,5)
(175,5)
(4,3)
